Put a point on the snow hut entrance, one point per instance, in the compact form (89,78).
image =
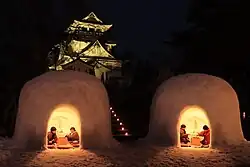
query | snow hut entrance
(193,128)
(64,128)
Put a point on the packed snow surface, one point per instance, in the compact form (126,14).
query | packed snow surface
(132,155)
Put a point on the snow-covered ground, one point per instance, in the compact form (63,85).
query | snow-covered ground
(133,155)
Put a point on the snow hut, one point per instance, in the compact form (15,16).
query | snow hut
(195,100)
(63,100)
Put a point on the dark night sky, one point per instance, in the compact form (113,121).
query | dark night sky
(140,26)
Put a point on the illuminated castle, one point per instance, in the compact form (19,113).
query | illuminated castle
(85,49)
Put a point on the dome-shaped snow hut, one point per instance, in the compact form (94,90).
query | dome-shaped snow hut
(63,100)
(195,100)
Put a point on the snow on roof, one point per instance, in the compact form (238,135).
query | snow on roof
(78,46)
(90,21)
(96,50)
(92,18)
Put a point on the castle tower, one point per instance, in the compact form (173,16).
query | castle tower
(85,49)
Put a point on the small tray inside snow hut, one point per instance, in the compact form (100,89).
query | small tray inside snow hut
(63,143)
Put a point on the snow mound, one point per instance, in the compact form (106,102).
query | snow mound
(208,94)
(44,94)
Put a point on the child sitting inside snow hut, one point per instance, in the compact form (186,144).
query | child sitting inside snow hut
(52,137)
(183,135)
(206,134)
(73,136)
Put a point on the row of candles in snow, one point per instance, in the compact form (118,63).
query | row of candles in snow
(118,120)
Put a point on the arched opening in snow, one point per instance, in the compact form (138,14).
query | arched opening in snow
(192,134)
(66,120)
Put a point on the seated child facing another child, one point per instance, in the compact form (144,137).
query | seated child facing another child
(73,136)
(206,134)
(183,135)
(51,136)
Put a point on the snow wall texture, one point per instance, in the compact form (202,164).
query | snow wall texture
(210,93)
(40,96)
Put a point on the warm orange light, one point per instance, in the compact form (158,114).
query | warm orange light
(194,118)
(63,118)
